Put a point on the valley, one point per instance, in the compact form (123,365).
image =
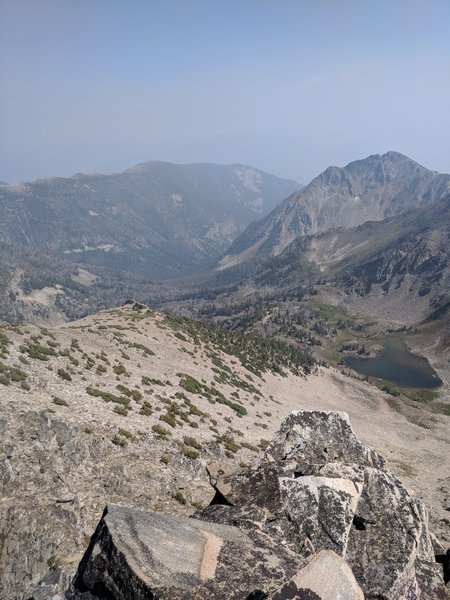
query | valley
(131,364)
(157,220)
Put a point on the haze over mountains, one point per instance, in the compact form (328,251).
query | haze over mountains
(156,219)
(74,246)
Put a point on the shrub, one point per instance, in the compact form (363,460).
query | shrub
(160,430)
(4,380)
(135,394)
(64,375)
(59,401)
(180,336)
(169,419)
(39,352)
(180,498)
(263,444)
(189,453)
(119,369)
(146,410)
(125,433)
(149,381)
(146,351)
(191,441)
(119,441)
(107,396)
(17,374)
(190,384)
(229,443)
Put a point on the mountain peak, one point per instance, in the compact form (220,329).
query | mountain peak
(370,189)
(397,156)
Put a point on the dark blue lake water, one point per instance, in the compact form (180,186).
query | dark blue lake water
(398,365)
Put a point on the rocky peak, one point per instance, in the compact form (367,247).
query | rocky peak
(374,170)
(319,518)
(371,189)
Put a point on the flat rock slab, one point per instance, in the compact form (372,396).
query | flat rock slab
(326,577)
(141,555)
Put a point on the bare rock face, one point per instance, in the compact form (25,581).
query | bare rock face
(326,577)
(319,437)
(322,489)
(141,555)
(321,518)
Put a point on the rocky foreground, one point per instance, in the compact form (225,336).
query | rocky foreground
(320,518)
(129,406)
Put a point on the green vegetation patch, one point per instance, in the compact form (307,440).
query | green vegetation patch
(192,442)
(64,374)
(4,343)
(150,381)
(232,379)
(37,351)
(4,380)
(107,396)
(192,385)
(145,351)
(146,409)
(10,374)
(256,353)
(160,431)
(180,498)
(134,394)
(332,314)
(119,441)
(59,401)
(189,452)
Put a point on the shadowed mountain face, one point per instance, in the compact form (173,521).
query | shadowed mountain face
(372,189)
(397,269)
(157,219)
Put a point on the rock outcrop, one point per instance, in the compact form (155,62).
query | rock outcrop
(135,554)
(320,518)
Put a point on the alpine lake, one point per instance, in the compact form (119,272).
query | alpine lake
(397,365)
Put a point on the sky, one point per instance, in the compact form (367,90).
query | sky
(288,86)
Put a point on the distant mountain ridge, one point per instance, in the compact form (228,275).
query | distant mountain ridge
(157,219)
(371,189)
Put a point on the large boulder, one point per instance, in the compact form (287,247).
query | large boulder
(320,489)
(138,555)
(319,518)
(308,438)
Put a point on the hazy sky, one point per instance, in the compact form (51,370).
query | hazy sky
(289,86)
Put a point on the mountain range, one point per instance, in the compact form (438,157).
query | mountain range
(377,231)
(397,269)
(145,409)
(157,219)
(372,189)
